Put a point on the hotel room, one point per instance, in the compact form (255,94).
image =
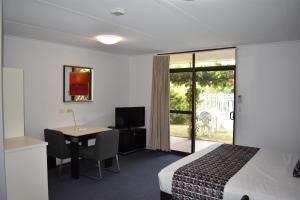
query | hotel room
(162,99)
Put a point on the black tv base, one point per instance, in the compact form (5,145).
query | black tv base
(131,140)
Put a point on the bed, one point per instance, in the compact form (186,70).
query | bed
(266,176)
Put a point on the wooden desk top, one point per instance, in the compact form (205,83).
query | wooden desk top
(81,130)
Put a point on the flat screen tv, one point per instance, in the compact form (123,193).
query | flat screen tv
(129,117)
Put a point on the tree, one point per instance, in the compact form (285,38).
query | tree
(178,102)
(220,81)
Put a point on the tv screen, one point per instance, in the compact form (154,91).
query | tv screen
(129,117)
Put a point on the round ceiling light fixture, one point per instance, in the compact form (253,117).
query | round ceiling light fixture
(109,39)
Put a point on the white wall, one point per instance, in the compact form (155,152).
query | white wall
(43,62)
(140,81)
(13,102)
(2,164)
(268,80)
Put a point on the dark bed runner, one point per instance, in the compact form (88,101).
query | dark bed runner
(205,178)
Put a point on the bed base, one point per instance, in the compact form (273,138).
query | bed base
(166,196)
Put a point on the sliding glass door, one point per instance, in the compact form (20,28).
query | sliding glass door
(181,86)
(214,107)
(201,99)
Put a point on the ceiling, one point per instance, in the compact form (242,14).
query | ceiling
(153,26)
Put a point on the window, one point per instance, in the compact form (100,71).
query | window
(201,98)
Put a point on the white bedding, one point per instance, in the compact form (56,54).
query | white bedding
(267,176)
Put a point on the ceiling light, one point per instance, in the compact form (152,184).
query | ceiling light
(108,39)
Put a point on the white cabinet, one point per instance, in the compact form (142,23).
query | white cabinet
(26,169)
(25,157)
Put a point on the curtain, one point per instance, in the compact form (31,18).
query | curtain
(159,119)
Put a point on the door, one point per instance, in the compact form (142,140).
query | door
(214,107)
(202,86)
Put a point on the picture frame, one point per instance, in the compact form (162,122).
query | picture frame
(77,84)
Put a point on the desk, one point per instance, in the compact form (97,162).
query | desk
(76,135)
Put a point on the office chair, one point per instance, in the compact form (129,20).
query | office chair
(106,147)
(57,146)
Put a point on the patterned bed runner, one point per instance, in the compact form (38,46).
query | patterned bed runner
(205,178)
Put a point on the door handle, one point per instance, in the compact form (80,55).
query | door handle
(231,115)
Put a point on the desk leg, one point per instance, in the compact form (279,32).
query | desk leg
(84,143)
(74,158)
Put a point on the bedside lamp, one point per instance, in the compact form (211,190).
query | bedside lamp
(70,110)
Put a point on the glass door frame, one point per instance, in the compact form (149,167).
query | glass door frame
(194,70)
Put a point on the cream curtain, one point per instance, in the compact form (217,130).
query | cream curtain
(159,120)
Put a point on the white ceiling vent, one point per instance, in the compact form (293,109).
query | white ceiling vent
(118,11)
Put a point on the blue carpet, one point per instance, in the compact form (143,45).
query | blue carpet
(137,180)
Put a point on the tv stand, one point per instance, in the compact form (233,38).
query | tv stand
(131,139)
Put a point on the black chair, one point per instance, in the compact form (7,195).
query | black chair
(57,146)
(106,147)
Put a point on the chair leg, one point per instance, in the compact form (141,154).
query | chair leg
(117,159)
(99,168)
(60,167)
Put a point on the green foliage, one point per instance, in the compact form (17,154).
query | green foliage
(219,81)
(178,101)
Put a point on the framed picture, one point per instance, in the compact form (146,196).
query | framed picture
(78,84)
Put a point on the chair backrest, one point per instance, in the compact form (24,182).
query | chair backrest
(56,144)
(107,144)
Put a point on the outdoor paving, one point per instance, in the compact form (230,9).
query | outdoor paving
(184,144)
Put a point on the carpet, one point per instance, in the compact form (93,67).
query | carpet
(137,179)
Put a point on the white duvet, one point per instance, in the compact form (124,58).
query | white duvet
(267,176)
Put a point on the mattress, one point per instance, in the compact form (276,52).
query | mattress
(267,176)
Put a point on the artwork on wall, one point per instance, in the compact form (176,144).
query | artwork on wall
(78,84)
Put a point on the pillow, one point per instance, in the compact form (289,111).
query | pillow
(296,172)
